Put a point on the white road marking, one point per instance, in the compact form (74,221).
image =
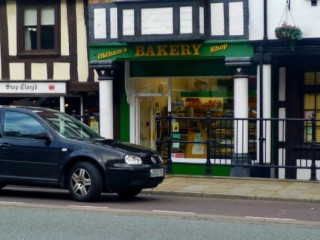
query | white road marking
(173,212)
(266,218)
(10,203)
(83,206)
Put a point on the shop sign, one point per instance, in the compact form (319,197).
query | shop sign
(163,51)
(112,53)
(217,48)
(33,87)
(168,50)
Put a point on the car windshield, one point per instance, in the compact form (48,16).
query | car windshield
(68,126)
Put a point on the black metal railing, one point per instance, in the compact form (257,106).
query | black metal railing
(283,145)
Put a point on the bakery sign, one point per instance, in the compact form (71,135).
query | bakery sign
(33,87)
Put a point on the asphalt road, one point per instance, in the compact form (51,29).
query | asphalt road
(20,223)
(202,208)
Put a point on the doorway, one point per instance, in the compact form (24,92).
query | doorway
(147,108)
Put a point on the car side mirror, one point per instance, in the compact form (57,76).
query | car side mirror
(44,136)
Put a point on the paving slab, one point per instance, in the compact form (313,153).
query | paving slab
(249,188)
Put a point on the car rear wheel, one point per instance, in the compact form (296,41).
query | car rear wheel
(129,193)
(85,182)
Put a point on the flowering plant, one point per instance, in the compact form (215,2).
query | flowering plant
(288,32)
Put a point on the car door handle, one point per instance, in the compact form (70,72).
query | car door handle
(5,145)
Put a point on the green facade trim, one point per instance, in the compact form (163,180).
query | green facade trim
(200,169)
(220,171)
(186,68)
(194,169)
(98,45)
(170,50)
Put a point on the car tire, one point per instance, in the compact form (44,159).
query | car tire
(85,182)
(129,193)
(2,185)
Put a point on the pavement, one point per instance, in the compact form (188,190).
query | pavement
(239,188)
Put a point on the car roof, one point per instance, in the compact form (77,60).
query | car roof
(33,109)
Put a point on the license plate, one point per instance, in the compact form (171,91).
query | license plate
(156,172)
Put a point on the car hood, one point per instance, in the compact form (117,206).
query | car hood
(125,147)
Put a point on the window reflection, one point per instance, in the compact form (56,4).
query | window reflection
(21,125)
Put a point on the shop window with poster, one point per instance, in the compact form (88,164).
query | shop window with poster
(194,97)
(311,104)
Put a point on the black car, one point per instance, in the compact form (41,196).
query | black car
(46,147)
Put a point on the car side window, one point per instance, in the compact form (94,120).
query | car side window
(21,125)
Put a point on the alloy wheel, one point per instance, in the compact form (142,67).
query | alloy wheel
(81,182)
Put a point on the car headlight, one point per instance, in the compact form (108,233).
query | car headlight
(160,158)
(132,160)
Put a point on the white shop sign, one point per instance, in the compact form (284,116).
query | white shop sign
(33,87)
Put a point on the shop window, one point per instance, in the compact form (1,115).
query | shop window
(311,104)
(38,27)
(195,97)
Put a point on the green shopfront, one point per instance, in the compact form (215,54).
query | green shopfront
(187,78)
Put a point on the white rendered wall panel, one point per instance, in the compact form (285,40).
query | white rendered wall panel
(61,71)
(64,29)
(256,19)
(39,71)
(201,20)
(217,19)
(156,21)
(236,18)
(83,66)
(17,71)
(128,22)
(100,27)
(12,27)
(113,23)
(185,20)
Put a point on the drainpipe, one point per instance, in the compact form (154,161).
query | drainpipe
(265,38)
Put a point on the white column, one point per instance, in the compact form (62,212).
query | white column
(241,107)
(62,104)
(106,108)
(266,113)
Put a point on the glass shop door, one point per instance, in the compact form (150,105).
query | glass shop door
(147,108)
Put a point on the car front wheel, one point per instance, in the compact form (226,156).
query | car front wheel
(85,182)
(129,193)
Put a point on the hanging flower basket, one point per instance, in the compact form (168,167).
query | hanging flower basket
(288,33)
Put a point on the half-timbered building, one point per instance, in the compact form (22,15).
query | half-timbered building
(44,55)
